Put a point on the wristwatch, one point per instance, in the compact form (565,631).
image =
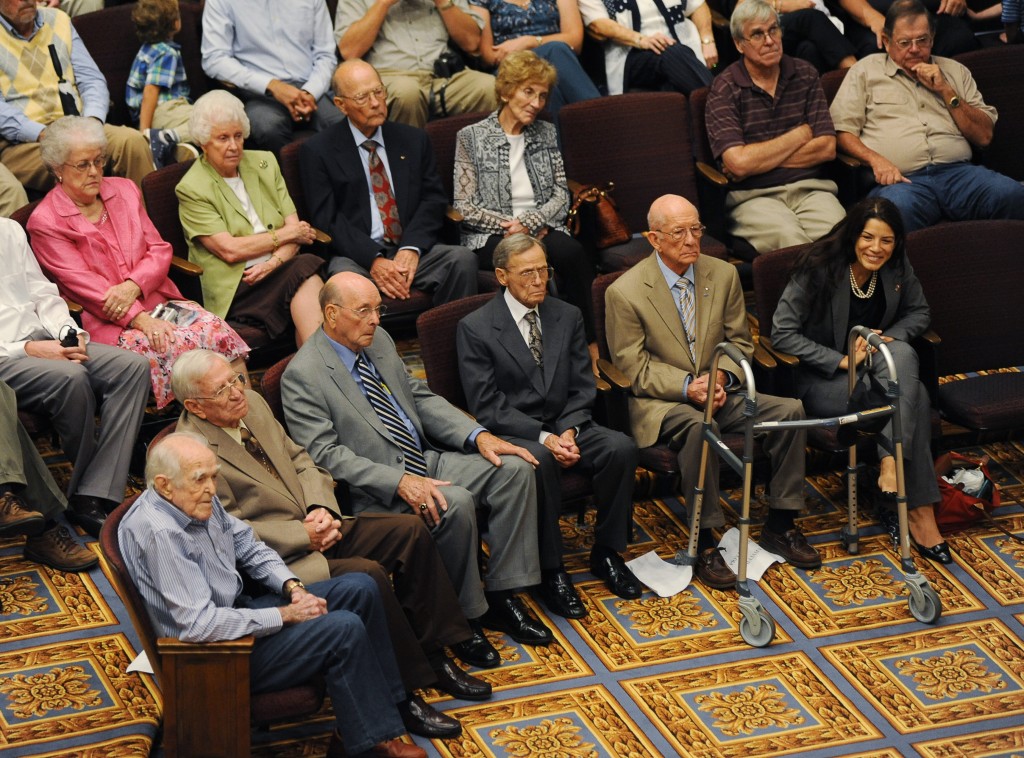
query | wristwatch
(954,102)
(289,587)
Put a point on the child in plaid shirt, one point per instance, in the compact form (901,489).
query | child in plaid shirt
(157,92)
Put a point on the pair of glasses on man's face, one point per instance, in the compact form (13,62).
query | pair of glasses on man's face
(677,234)
(363,98)
(236,383)
(758,37)
(528,275)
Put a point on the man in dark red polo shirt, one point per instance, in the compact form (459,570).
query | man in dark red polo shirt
(770,127)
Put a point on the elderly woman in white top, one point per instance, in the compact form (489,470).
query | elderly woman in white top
(653,44)
(509,178)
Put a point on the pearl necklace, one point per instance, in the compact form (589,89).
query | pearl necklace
(871,285)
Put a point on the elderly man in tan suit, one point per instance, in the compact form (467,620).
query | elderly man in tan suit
(271,483)
(664,318)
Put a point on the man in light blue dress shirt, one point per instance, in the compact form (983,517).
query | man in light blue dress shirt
(183,552)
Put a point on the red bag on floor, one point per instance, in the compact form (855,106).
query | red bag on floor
(956,509)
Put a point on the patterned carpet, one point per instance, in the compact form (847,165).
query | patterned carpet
(850,672)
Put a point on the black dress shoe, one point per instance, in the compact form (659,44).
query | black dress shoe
(458,683)
(616,575)
(477,650)
(560,596)
(423,720)
(87,512)
(939,553)
(509,615)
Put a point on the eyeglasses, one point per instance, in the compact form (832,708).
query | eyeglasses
(678,234)
(83,166)
(362,98)
(236,383)
(364,313)
(758,37)
(528,275)
(905,44)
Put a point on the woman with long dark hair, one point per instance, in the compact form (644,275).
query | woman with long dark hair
(859,274)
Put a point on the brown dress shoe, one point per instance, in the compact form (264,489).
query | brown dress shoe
(390,749)
(17,518)
(713,571)
(57,549)
(397,749)
(791,545)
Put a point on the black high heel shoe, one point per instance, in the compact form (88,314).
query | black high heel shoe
(939,553)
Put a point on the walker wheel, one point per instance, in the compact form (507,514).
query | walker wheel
(925,606)
(764,635)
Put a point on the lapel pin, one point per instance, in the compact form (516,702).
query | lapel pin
(898,287)
(263,164)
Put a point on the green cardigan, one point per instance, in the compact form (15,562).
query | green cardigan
(207,205)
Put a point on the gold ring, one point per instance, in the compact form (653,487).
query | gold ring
(423,506)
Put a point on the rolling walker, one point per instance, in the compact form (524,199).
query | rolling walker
(757,627)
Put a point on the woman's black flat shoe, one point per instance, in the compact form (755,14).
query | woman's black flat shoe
(939,553)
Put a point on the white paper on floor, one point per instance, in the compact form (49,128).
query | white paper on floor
(758,559)
(665,579)
(141,663)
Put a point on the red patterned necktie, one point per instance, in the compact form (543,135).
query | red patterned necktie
(383,195)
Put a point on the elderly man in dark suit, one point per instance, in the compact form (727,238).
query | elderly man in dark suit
(402,449)
(271,483)
(527,375)
(665,316)
(373,185)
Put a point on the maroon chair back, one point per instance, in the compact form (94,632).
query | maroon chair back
(442,132)
(270,387)
(162,204)
(830,82)
(771,275)
(992,69)
(699,126)
(436,329)
(292,172)
(109,36)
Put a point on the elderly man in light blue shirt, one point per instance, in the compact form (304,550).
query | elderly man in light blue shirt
(183,552)
(280,55)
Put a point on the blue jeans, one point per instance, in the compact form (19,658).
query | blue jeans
(350,647)
(954,191)
(573,83)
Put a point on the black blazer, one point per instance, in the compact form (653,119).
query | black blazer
(339,198)
(504,387)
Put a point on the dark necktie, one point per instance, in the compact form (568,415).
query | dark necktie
(686,304)
(255,449)
(382,193)
(536,344)
(379,397)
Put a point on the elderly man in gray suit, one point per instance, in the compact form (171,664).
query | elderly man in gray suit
(527,375)
(350,402)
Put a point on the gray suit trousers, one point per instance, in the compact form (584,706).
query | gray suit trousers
(20,463)
(681,429)
(447,272)
(828,397)
(113,381)
(509,493)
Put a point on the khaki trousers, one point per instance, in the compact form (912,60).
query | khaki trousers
(410,101)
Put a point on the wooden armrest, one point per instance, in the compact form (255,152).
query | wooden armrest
(717,19)
(75,309)
(712,174)
(612,374)
(574,186)
(602,385)
(172,645)
(848,160)
(763,358)
(186,267)
(784,358)
(453,215)
(931,338)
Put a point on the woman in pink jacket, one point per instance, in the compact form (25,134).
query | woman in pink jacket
(92,235)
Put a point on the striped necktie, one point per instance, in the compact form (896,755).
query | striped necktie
(379,396)
(689,314)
